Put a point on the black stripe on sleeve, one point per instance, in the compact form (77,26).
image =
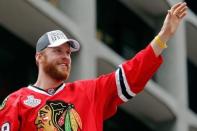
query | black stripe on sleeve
(123,87)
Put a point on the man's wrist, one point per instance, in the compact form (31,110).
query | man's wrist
(163,36)
(160,43)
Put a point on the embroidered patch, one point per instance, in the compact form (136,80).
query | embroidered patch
(31,101)
(58,116)
(3,103)
(51,91)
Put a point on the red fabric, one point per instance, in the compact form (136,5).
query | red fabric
(94,100)
(141,68)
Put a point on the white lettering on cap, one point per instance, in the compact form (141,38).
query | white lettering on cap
(56,36)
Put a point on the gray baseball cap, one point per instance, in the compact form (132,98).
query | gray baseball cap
(56,38)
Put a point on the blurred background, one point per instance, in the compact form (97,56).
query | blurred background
(109,31)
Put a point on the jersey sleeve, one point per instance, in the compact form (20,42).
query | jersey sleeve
(132,75)
(9,114)
(127,81)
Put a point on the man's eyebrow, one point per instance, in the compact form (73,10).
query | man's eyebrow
(41,111)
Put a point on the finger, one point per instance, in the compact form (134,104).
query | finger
(176,6)
(169,13)
(183,15)
(179,14)
(180,8)
(183,10)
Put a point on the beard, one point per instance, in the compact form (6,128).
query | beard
(55,72)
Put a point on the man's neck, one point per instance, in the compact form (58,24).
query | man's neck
(46,82)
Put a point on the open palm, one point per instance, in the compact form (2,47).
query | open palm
(173,18)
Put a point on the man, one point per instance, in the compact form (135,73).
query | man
(53,105)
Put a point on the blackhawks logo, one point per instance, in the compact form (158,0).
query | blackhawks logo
(58,116)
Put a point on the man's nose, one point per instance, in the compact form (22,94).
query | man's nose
(66,59)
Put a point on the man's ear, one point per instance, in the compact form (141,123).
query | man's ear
(38,57)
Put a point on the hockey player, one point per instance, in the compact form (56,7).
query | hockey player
(50,104)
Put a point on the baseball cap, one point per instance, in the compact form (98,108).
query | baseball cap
(56,38)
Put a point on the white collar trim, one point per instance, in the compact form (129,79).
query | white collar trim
(43,92)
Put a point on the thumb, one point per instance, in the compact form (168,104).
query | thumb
(169,13)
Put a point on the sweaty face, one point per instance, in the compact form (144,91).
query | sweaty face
(57,62)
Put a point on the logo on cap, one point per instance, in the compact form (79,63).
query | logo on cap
(55,36)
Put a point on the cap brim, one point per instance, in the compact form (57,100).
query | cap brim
(75,46)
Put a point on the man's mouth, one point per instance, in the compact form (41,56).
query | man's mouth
(64,65)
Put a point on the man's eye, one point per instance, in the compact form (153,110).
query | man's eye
(68,52)
(58,50)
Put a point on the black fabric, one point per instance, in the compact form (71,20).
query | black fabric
(123,87)
(55,89)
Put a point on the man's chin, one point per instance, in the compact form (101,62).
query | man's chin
(61,77)
(59,74)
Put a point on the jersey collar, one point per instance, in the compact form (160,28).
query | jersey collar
(42,91)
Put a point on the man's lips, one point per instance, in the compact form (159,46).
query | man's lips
(66,65)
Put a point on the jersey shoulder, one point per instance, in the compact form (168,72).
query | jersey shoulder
(12,98)
(83,85)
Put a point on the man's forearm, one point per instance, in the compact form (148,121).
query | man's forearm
(156,48)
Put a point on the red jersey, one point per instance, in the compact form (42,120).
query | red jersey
(81,105)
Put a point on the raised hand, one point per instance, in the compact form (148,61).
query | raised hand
(173,19)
